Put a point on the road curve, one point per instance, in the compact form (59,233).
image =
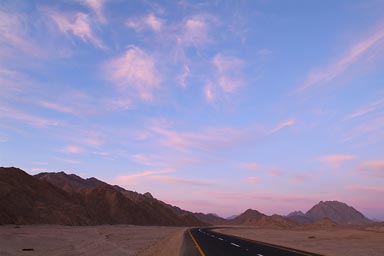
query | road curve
(206,242)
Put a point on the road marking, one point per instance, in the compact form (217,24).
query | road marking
(220,238)
(197,245)
(259,254)
(235,244)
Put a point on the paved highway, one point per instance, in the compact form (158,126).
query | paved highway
(206,242)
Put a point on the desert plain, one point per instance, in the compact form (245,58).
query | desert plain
(329,241)
(158,241)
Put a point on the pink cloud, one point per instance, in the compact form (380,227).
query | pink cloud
(73,149)
(366,188)
(275,173)
(336,160)
(209,92)
(13,36)
(55,106)
(283,125)
(139,177)
(134,71)
(17,115)
(180,181)
(372,167)
(183,77)
(252,179)
(77,24)
(228,77)
(250,166)
(148,22)
(356,52)
(366,110)
(211,138)
(194,32)
(97,6)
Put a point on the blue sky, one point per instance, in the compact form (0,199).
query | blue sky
(214,106)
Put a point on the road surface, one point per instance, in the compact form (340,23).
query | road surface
(206,242)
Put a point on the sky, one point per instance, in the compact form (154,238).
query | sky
(213,106)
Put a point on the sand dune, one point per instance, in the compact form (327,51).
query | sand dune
(91,240)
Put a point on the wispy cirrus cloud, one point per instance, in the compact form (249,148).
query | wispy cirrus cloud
(372,107)
(194,32)
(372,167)
(228,79)
(250,166)
(252,179)
(336,160)
(14,35)
(72,149)
(181,181)
(151,22)
(138,177)
(283,125)
(366,188)
(134,73)
(355,54)
(26,118)
(97,6)
(75,24)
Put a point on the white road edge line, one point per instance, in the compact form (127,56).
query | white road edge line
(235,244)
(220,238)
(259,254)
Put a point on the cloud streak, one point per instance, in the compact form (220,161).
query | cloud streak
(333,70)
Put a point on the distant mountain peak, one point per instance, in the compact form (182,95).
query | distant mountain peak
(296,213)
(336,211)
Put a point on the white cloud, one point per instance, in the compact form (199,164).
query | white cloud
(77,24)
(135,71)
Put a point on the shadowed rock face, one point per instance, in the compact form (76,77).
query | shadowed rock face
(338,212)
(59,198)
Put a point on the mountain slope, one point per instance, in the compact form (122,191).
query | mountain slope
(26,199)
(338,212)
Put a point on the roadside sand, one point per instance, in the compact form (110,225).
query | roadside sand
(331,241)
(95,240)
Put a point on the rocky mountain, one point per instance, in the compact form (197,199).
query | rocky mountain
(255,218)
(210,218)
(298,217)
(59,198)
(338,212)
(249,217)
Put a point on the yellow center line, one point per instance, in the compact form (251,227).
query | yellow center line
(197,245)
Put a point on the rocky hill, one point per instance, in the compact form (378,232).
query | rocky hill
(59,198)
(338,212)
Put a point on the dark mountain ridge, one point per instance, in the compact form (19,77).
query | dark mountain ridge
(60,198)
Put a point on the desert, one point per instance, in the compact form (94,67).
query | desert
(334,241)
(109,240)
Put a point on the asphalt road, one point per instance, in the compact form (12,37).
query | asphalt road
(206,242)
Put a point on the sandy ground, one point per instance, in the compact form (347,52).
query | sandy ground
(330,241)
(96,240)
